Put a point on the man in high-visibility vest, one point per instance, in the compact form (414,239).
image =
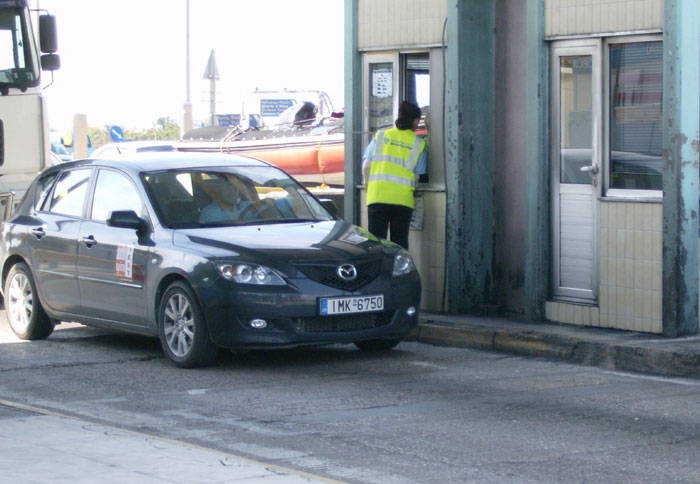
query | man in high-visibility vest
(390,166)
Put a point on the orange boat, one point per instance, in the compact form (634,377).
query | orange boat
(306,154)
(295,130)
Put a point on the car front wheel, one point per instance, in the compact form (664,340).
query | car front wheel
(23,309)
(183,332)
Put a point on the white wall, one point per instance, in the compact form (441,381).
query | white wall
(580,17)
(400,23)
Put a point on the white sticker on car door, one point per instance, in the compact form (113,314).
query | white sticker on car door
(124,261)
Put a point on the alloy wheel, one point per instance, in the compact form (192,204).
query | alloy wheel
(20,302)
(178,325)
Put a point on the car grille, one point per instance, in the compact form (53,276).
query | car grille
(327,274)
(344,323)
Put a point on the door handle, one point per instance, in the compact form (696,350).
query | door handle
(88,241)
(38,232)
(592,168)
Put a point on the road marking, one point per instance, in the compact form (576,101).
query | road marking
(198,391)
(425,364)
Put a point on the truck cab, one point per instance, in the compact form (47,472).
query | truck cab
(24,142)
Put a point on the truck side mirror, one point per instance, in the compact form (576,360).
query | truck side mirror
(50,62)
(48,35)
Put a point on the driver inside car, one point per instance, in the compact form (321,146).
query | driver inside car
(229,198)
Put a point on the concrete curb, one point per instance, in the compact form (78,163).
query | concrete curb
(611,350)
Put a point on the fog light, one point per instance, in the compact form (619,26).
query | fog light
(411,311)
(258,323)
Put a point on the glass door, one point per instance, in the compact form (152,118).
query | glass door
(576,95)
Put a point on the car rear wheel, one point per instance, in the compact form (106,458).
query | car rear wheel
(24,312)
(183,331)
(377,344)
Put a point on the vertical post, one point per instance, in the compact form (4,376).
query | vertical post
(537,181)
(187,118)
(212,101)
(353,114)
(680,179)
(470,154)
(80,137)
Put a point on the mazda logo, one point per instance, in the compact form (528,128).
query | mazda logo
(347,272)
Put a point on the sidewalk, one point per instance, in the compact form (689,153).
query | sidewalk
(606,348)
(40,446)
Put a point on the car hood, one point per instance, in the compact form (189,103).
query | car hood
(301,241)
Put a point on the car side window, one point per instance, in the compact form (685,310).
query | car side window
(69,195)
(43,188)
(114,191)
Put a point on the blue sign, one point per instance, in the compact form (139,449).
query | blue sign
(117,134)
(228,119)
(274,107)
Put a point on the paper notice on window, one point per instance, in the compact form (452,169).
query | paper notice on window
(382,83)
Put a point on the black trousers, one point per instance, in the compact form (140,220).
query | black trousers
(395,219)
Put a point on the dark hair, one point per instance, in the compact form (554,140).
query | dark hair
(408,111)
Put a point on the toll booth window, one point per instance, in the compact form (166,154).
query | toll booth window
(416,88)
(636,87)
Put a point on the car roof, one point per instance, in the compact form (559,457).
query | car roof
(128,146)
(157,161)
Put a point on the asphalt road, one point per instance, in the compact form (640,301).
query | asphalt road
(417,414)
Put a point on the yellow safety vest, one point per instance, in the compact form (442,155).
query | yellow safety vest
(391,176)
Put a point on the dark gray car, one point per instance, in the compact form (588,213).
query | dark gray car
(204,251)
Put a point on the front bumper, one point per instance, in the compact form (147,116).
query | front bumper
(292,314)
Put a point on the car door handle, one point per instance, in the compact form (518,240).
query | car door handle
(88,241)
(38,232)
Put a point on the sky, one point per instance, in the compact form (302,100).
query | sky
(124,63)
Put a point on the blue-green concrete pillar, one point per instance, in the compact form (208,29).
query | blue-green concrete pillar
(681,123)
(537,253)
(353,115)
(470,112)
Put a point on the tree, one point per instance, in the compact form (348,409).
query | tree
(164,128)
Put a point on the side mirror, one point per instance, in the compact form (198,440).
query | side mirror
(126,219)
(50,62)
(329,205)
(48,35)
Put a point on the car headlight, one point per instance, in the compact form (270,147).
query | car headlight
(250,274)
(403,264)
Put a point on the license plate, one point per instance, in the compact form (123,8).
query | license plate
(350,305)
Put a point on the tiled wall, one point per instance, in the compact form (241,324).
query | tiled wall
(574,17)
(400,23)
(630,271)
(427,247)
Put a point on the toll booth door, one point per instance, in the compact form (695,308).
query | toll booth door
(576,154)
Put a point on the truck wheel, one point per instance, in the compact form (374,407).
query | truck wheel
(377,344)
(23,309)
(183,332)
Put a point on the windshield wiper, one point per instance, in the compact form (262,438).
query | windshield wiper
(300,220)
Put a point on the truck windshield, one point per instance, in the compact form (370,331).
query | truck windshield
(19,66)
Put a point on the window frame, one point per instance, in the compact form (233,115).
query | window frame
(46,206)
(609,192)
(93,189)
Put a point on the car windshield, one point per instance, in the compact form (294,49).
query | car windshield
(230,196)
